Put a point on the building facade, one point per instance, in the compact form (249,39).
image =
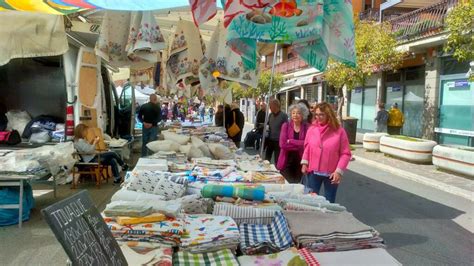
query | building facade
(431,87)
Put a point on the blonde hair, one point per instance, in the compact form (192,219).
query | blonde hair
(80,131)
(330,114)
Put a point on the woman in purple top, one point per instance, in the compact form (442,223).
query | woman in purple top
(292,137)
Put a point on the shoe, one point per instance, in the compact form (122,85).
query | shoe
(117,181)
(125,167)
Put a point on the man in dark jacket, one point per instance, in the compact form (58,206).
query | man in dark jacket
(237,117)
(150,116)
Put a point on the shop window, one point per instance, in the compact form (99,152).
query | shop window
(393,77)
(451,66)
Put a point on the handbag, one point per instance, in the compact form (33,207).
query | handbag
(10,137)
(234,129)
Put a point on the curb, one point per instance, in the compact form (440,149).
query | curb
(419,179)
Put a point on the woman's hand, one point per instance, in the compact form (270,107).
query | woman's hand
(335,178)
(304,169)
(96,140)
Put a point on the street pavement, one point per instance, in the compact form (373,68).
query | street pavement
(420,224)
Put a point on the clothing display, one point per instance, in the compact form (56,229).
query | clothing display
(265,238)
(222,257)
(152,218)
(204,233)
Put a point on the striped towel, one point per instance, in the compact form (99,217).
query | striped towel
(246,214)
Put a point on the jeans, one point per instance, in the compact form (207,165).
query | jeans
(113,160)
(314,182)
(148,135)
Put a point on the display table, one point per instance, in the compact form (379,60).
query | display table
(15,181)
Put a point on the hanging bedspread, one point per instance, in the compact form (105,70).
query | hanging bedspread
(184,58)
(317,29)
(31,35)
(221,62)
(131,39)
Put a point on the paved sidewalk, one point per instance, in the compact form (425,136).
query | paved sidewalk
(425,174)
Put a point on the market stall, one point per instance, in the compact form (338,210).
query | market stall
(178,207)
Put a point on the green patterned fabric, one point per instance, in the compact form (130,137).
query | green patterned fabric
(317,29)
(219,258)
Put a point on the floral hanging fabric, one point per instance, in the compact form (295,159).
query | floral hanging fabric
(131,39)
(317,29)
(186,51)
(223,63)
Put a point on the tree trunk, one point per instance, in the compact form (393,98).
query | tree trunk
(340,104)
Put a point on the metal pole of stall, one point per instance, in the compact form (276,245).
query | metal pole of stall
(267,101)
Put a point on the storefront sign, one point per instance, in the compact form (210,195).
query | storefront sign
(458,85)
(394,88)
(458,132)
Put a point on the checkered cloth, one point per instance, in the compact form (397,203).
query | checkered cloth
(309,258)
(265,238)
(219,258)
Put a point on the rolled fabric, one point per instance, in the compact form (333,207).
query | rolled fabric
(212,191)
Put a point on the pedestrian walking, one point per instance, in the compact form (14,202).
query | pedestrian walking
(211,114)
(275,120)
(150,116)
(260,123)
(395,120)
(309,117)
(326,154)
(202,111)
(381,119)
(235,124)
(292,138)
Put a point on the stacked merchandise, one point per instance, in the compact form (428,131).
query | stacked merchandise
(243,211)
(143,253)
(320,232)
(223,257)
(305,202)
(206,233)
(132,223)
(265,238)
(290,256)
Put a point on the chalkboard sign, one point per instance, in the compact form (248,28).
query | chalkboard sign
(82,232)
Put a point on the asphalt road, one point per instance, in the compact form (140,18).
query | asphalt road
(420,225)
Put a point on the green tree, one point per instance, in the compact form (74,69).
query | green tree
(263,85)
(239,92)
(376,51)
(460,24)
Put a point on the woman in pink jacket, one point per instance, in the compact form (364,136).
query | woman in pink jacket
(326,152)
(292,136)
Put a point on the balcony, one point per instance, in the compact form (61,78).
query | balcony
(288,66)
(371,14)
(423,22)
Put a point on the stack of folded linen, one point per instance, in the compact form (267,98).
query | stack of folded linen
(143,253)
(319,231)
(255,214)
(305,202)
(290,256)
(167,231)
(366,257)
(265,238)
(223,257)
(206,233)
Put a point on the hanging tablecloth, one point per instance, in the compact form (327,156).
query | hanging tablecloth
(185,53)
(219,58)
(131,39)
(31,35)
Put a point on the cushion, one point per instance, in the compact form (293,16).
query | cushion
(181,139)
